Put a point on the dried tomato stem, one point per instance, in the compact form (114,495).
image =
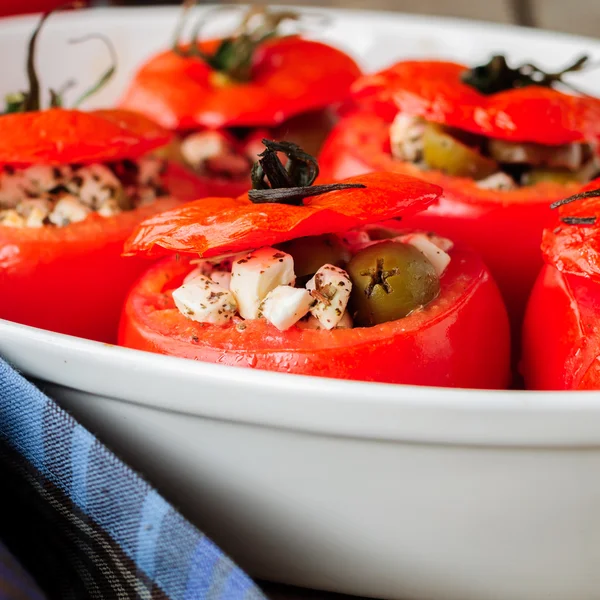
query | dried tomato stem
(581,196)
(575,197)
(578,220)
(107,75)
(234,54)
(272,182)
(32,99)
(497,76)
(295,195)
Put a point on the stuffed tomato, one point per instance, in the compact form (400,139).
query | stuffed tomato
(294,278)
(501,142)
(222,96)
(73,185)
(561,334)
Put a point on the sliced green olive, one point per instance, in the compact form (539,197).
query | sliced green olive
(443,152)
(311,253)
(389,281)
(540,175)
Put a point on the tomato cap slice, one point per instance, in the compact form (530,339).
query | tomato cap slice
(59,136)
(215,226)
(433,90)
(290,76)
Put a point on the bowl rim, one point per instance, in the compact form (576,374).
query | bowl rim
(407,414)
(333,407)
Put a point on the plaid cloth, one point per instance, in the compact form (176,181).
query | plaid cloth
(84,524)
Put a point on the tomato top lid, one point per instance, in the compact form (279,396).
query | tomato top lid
(521,104)
(34,135)
(573,246)
(283,205)
(255,77)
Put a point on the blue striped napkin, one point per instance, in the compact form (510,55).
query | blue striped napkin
(84,525)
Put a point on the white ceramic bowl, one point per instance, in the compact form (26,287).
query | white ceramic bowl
(389,491)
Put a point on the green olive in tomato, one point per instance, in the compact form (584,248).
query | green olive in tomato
(541,175)
(389,281)
(311,253)
(443,152)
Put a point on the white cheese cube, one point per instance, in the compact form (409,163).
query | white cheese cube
(203,269)
(406,137)
(285,306)
(197,148)
(223,278)
(109,208)
(355,239)
(35,211)
(94,185)
(68,210)
(330,287)
(497,181)
(43,178)
(150,170)
(13,186)
(432,252)
(11,218)
(255,275)
(205,301)
(314,323)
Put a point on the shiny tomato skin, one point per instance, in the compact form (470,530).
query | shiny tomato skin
(561,333)
(505,227)
(290,76)
(459,340)
(73,279)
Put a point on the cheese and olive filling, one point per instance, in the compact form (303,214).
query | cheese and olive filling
(325,282)
(492,163)
(214,154)
(44,195)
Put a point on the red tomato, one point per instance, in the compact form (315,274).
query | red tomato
(459,340)
(504,227)
(290,77)
(561,335)
(73,279)
(434,90)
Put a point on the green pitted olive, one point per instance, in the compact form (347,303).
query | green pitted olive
(389,281)
(541,175)
(444,152)
(311,253)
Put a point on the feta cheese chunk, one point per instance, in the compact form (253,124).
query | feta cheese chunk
(255,275)
(285,306)
(406,137)
(68,210)
(11,218)
(205,301)
(43,178)
(35,211)
(94,184)
(199,147)
(497,181)
(432,252)
(150,170)
(330,287)
(223,278)
(203,269)
(314,323)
